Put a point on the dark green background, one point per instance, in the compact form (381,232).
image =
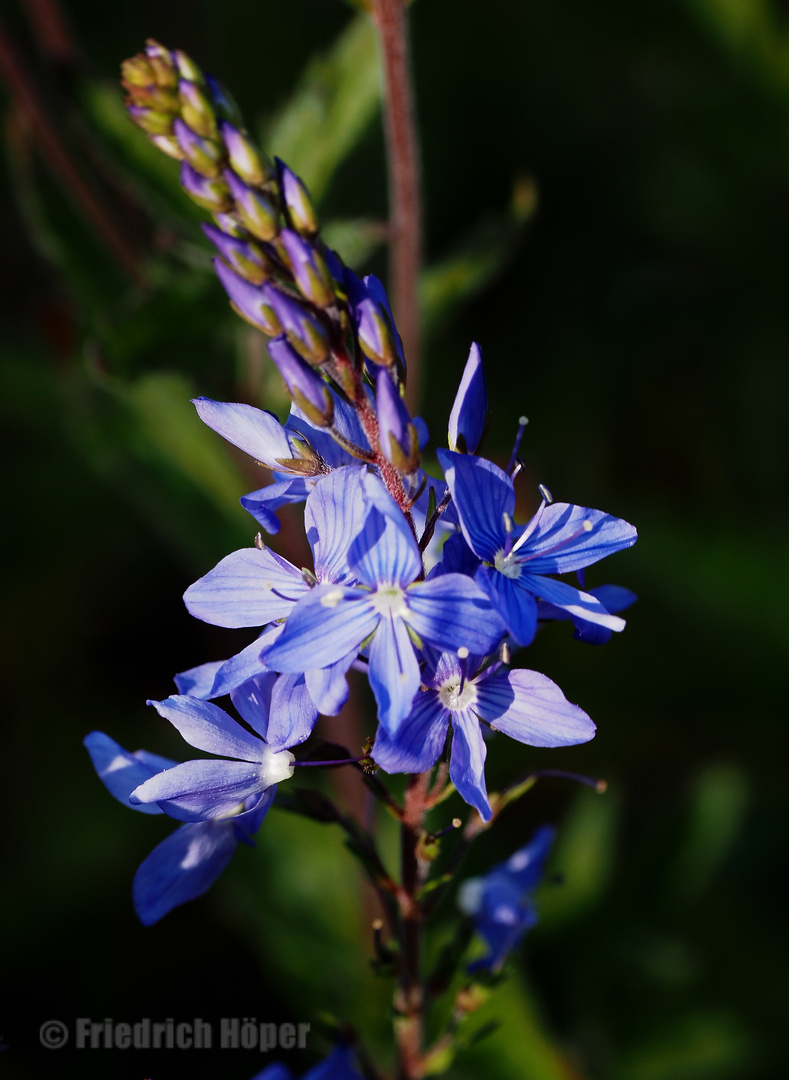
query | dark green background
(639,319)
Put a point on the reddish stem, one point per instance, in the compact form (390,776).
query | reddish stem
(405,204)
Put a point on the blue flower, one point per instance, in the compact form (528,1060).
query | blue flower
(559,538)
(523,704)
(188,862)
(387,606)
(339,1065)
(501,902)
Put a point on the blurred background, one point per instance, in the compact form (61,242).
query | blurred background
(607,214)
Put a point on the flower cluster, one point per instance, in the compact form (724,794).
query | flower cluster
(426,584)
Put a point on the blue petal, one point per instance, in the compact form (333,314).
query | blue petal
(181,868)
(263,503)
(467,418)
(346,422)
(451,611)
(333,516)
(252,698)
(120,771)
(571,537)
(467,763)
(483,494)
(202,788)
(385,550)
(457,557)
(328,687)
(526,865)
(244,665)
(339,1065)
(327,624)
(514,604)
(247,588)
(207,727)
(579,605)
(274,1072)
(531,708)
(293,713)
(418,742)
(252,430)
(198,681)
(394,672)
(246,824)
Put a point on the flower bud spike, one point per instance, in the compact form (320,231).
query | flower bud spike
(397,435)
(137,71)
(297,200)
(250,301)
(305,331)
(211,193)
(247,161)
(206,156)
(308,268)
(246,257)
(254,207)
(196,109)
(229,225)
(522,422)
(305,386)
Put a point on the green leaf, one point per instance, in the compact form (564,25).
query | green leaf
(337,98)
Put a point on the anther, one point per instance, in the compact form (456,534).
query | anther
(545,493)
(259,542)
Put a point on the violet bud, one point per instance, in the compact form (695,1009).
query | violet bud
(248,162)
(209,192)
(467,419)
(309,268)
(396,432)
(250,301)
(196,109)
(305,330)
(305,386)
(298,201)
(246,257)
(206,156)
(256,210)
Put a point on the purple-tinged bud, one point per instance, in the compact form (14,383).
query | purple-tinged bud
(305,386)
(396,433)
(196,109)
(256,210)
(206,156)
(138,71)
(225,106)
(211,193)
(248,162)
(228,223)
(248,300)
(168,145)
(309,268)
(378,293)
(375,334)
(246,257)
(298,202)
(467,419)
(305,331)
(151,122)
(187,68)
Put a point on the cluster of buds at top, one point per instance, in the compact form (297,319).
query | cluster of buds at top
(331,328)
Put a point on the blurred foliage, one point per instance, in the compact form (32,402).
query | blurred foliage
(635,310)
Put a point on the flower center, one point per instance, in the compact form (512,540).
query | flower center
(453,698)
(390,600)
(507,564)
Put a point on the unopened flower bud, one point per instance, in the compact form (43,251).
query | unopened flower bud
(309,269)
(467,419)
(256,210)
(246,257)
(396,433)
(168,144)
(209,192)
(250,301)
(138,71)
(375,334)
(305,330)
(225,106)
(151,122)
(187,68)
(196,109)
(305,386)
(247,161)
(206,156)
(298,201)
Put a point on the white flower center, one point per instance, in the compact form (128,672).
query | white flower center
(509,565)
(451,696)
(390,600)
(275,767)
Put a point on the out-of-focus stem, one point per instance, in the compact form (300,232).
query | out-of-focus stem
(55,153)
(405,204)
(410,997)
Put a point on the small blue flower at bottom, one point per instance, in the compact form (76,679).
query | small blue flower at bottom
(501,902)
(187,863)
(339,1065)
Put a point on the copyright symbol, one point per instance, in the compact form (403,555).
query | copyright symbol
(53,1034)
